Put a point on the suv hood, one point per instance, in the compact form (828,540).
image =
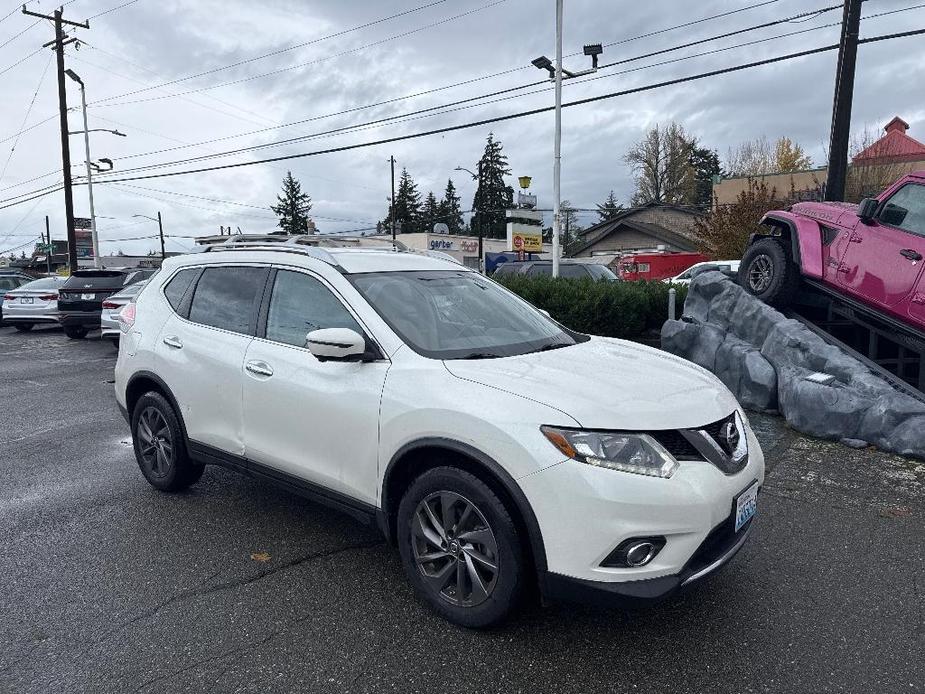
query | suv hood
(608,384)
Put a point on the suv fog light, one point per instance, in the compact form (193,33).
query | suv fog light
(635,552)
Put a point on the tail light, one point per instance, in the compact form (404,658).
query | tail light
(48,297)
(8,297)
(127,317)
(110,304)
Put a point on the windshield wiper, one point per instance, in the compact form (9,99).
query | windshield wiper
(553,345)
(479,355)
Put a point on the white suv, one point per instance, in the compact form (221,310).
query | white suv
(495,447)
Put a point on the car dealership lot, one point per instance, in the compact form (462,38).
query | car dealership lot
(109,585)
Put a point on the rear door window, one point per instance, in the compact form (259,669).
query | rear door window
(906,209)
(228,298)
(573,271)
(540,269)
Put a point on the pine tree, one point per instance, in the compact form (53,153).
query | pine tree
(292,206)
(407,205)
(448,209)
(430,214)
(493,196)
(609,208)
(706,166)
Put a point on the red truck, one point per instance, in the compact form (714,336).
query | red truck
(871,253)
(657,265)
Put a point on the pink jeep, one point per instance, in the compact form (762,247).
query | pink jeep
(871,253)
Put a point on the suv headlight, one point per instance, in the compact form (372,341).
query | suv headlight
(639,454)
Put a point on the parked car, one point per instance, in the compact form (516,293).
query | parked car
(112,306)
(495,447)
(80,301)
(567,268)
(870,253)
(10,281)
(727,267)
(32,303)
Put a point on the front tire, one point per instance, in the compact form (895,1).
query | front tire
(76,333)
(160,448)
(768,272)
(23,327)
(460,549)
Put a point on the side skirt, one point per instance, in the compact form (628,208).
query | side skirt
(360,510)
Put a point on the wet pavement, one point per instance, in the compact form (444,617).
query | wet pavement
(109,586)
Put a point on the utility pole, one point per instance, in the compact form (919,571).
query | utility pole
(844,95)
(481,218)
(59,43)
(557,166)
(160,228)
(83,104)
(49,248)
(392,203)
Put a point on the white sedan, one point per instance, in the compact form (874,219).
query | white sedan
(728,267)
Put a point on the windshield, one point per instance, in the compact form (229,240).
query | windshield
(455,314)
(601,272)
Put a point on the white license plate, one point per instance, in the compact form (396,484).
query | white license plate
(746,505)
(88,297)
(26,300)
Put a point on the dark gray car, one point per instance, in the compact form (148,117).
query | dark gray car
(568,269)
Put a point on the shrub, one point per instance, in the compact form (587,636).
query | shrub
(612,309)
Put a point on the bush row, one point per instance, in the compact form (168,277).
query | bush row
(613,309)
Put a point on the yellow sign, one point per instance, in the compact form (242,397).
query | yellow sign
(529,243)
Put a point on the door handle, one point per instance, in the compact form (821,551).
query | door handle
(173,341)
(910,254)
(261,368)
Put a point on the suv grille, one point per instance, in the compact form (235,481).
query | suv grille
(691,444)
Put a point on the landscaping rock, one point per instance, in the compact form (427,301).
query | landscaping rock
(765,359)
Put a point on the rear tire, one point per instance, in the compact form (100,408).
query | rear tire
(160,448)
(76,333)
(460,549)
(23,327)
(768,271)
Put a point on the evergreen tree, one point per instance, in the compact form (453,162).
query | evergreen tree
(609,208)
(493,196)
(292,207)
(448,209)
(430,215)
(706,165)
(407,206)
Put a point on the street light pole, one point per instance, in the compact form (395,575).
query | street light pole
(83,105)
(557,166)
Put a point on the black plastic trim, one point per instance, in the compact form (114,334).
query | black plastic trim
(535,535)
(794,236)
(164,388)
(360,510)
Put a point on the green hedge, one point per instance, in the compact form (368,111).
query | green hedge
(613,309)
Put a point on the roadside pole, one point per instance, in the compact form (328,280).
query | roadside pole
(160,228)
(49,248)
(481,235)
(841,109)
(392,202)
(93,237)
(557,166)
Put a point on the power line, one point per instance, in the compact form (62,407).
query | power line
(522,114)
(20,61)
(112,9)
(349,51)
(8,250)
(26,117)
(471,99)
(282,50)
(513,116)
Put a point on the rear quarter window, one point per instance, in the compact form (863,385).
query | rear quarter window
(178,286)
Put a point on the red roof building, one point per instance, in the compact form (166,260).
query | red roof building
(895,146)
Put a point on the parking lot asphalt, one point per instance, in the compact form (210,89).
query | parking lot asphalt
(234,586)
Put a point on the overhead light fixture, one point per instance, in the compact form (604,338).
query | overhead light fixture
(594,50)
(73,75)
(544,63)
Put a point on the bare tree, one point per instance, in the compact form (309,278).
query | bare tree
(662,164)
(759,158)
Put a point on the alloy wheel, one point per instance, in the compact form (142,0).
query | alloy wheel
(760,273)
(155,442)
(455,549)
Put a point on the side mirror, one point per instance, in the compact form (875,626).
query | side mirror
(867,209)
(341,344)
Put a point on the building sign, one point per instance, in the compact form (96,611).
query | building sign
(82,223)
(83,242)
(441,245)
(528,243)
(469,246)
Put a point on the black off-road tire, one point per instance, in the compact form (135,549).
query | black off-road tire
(769,272)
(24,327)
(160,447)
(76,333)
(486,535)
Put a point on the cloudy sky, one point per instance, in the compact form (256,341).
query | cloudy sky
(351,58)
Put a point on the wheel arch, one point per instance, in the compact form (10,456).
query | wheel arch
(803,237)
(416,457)
(145,381)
